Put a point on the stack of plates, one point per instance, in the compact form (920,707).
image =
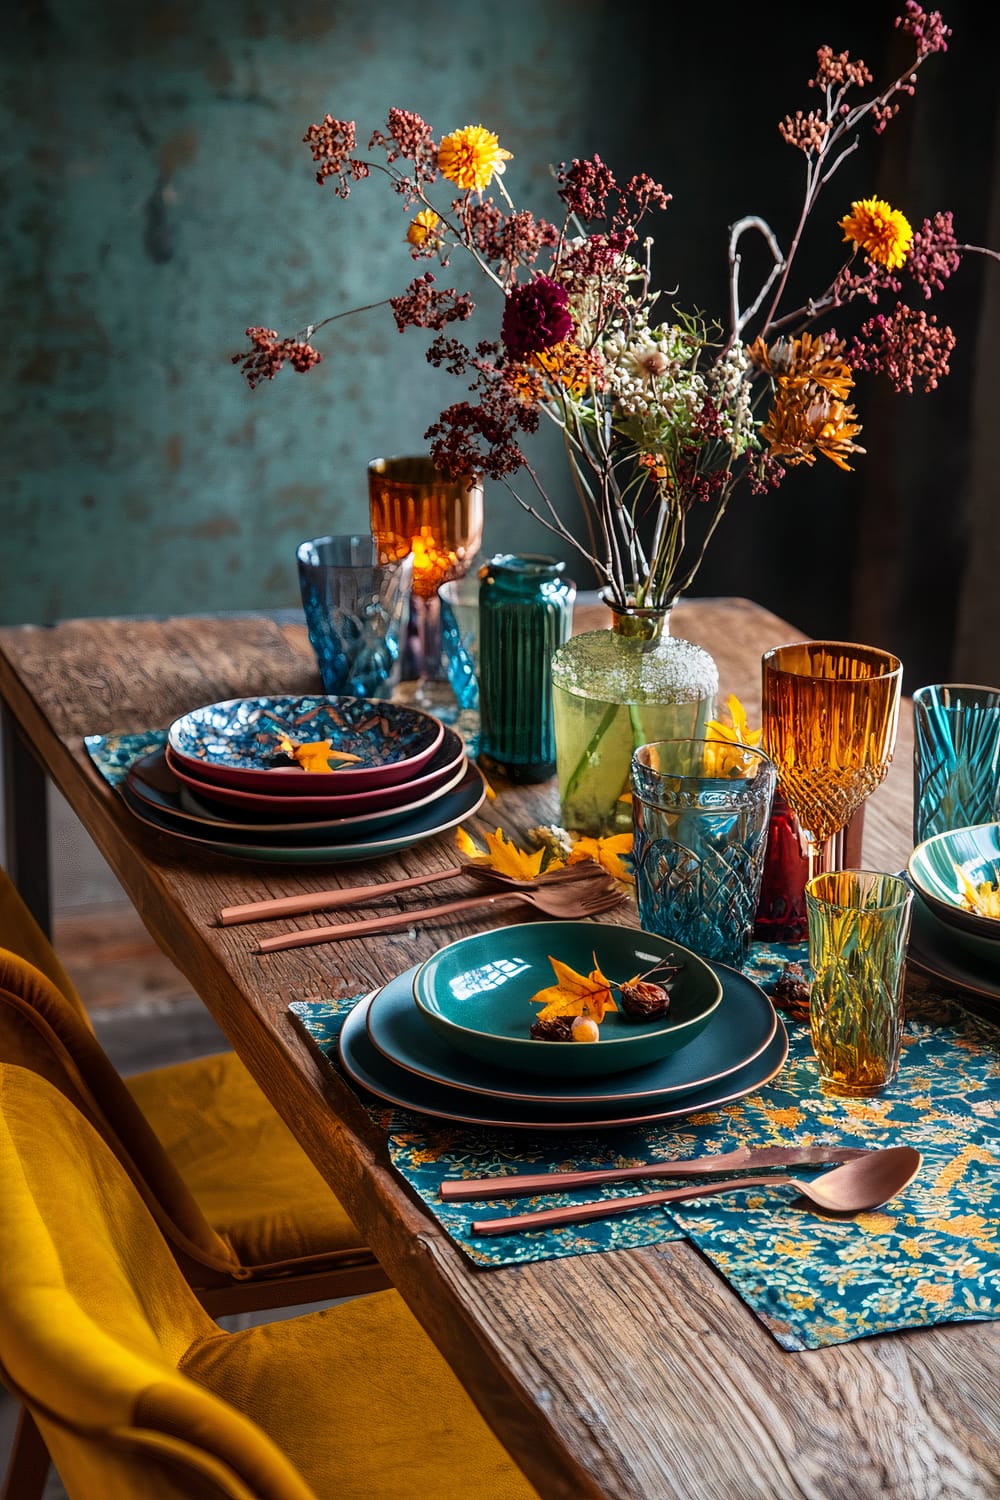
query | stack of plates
(947,939)
(222,782)
(733,1041)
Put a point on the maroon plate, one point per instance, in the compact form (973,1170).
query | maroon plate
(439,771)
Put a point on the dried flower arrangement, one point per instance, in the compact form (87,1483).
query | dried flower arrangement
(659,418)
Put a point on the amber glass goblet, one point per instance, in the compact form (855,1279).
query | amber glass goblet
(415,508)
(830,712)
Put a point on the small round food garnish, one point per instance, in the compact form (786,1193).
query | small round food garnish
(585,1030)
(644,1001)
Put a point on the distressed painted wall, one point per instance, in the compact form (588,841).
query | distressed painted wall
(157,199)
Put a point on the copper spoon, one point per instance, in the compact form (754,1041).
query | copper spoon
(865,1183)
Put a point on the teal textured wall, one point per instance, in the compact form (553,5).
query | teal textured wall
(158,199)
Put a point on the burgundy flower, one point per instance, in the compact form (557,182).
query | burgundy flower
(535,317)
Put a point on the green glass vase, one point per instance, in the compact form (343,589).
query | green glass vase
(525,613)
(616,689)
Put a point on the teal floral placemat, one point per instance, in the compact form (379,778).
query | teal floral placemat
(115,754)
(931,1255)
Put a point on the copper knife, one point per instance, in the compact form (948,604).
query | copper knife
(481,1189)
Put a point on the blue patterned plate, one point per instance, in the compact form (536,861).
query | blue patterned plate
(737,1033)
(236,743)
(366,1066)
(445,813)
(476,994)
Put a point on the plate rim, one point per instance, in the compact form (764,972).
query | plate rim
(297,781)
(611,1079)
(238,796)
(356,1018)
(321,854)
(959,971)
(374,819)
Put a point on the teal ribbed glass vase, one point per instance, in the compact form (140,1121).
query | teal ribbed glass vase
(525,613)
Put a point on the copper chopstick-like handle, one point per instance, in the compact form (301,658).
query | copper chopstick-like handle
(292,906)
(608,1208)
(312,935)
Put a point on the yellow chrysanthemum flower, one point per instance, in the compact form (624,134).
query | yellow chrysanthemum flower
(883,233)
(423,228)
(471,157)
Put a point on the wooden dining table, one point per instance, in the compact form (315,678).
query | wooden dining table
(628,1375)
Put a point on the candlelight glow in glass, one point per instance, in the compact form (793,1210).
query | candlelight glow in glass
(859,923)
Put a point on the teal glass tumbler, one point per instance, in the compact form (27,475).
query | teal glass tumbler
(956,758)
(700,813)
(525,614)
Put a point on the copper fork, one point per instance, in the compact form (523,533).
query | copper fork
(567,900)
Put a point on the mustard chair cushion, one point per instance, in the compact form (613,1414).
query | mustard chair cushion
(103,1338)
(225,1178)
(247,1172)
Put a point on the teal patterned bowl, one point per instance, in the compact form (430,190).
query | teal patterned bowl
(476,994)
(934,869)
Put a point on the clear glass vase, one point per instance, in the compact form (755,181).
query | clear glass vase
(616,689)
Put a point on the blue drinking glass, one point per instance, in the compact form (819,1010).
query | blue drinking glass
(356,610)
(956,758)
(700,811)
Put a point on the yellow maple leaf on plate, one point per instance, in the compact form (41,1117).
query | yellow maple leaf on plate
(575,994)
(317,755)
(983,899)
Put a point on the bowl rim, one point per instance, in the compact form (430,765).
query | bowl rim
(952,913)
(435,1017)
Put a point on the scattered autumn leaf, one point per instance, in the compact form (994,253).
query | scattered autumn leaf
(575,994)
(318,755)
(610,852)
(504,855)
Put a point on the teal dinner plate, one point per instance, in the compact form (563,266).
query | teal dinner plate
(374,1072)
(475,993)
(737,1033)
(152,780)
(960,959)
(932,870)
(446,813)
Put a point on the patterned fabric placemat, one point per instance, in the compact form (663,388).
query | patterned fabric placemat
(115,754)
(932,1255)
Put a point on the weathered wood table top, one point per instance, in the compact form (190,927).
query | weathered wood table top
(633,1375)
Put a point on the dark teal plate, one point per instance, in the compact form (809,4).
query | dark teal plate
(737,1033)
(446,813)
(366,1066)
(475,994)
(960,959)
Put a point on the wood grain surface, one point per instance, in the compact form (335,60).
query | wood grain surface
(628,1376)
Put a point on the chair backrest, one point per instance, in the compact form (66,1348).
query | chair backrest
(96,1317)
(45,1027)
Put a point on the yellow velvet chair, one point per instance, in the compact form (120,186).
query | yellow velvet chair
(137,1392)
(250,1220)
